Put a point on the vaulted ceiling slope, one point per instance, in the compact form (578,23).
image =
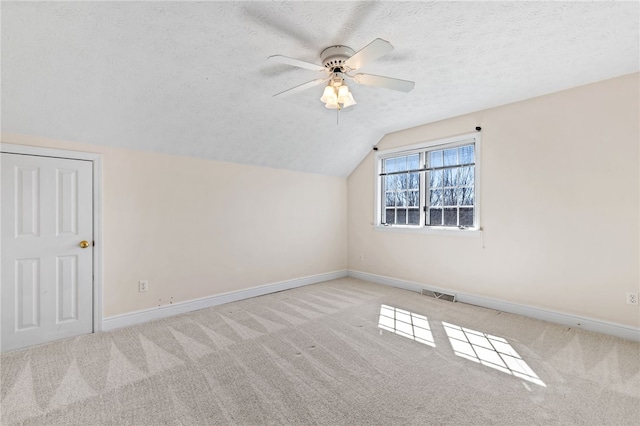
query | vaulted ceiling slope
(192,79)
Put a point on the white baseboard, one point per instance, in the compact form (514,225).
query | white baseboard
(590,324)
(145,315)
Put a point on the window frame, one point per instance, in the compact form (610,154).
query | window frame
(423,148)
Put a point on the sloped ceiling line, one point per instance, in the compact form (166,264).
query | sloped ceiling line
(191,78)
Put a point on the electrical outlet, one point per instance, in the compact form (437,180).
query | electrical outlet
(361,257)
(143,285)
(632,298)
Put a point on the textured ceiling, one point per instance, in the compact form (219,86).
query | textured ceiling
(192,78)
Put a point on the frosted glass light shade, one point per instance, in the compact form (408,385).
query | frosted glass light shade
(349,101)
(343,94)
(329,95)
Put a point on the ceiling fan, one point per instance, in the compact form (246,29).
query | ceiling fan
(339,62)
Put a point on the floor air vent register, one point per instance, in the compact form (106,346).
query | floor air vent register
(437,295)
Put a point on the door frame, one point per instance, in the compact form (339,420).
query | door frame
(96,159)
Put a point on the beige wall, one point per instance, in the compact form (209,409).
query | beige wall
(559,207)
(560,213)
(197,228)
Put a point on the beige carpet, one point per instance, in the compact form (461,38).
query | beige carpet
(340,352)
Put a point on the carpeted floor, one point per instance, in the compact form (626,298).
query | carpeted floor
(339,352)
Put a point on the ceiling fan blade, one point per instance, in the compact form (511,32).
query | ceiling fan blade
(295,62)
(372,51)
(300,88)
(386,82)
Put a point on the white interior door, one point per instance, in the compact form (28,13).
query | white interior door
(47,275)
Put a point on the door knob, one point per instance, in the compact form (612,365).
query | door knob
(84,244)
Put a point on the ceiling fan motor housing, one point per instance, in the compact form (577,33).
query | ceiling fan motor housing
(334,57)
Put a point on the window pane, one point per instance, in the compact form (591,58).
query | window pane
(390,165)
(414,161)
(450,197)
(466,196)
(389,183)
(390,216)
(450,177)
(414,216)
(435,197)
(435,178)
(390,199)
(414,198)
(414,181)
(401,164)
(401,199)
(402,181)
(402,217)
(466,176)
(435,159)
(450,217)
(450,157)
(466,154)
(466,216)
(435,216)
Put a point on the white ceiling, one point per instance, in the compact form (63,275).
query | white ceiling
(192,78)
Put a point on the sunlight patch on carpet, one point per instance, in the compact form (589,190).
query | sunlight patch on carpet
(492,351)
(406,324)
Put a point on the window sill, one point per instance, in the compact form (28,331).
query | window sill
(475,232)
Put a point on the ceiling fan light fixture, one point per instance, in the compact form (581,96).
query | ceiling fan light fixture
(336,95)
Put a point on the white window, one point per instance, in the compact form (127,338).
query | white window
(433,185)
